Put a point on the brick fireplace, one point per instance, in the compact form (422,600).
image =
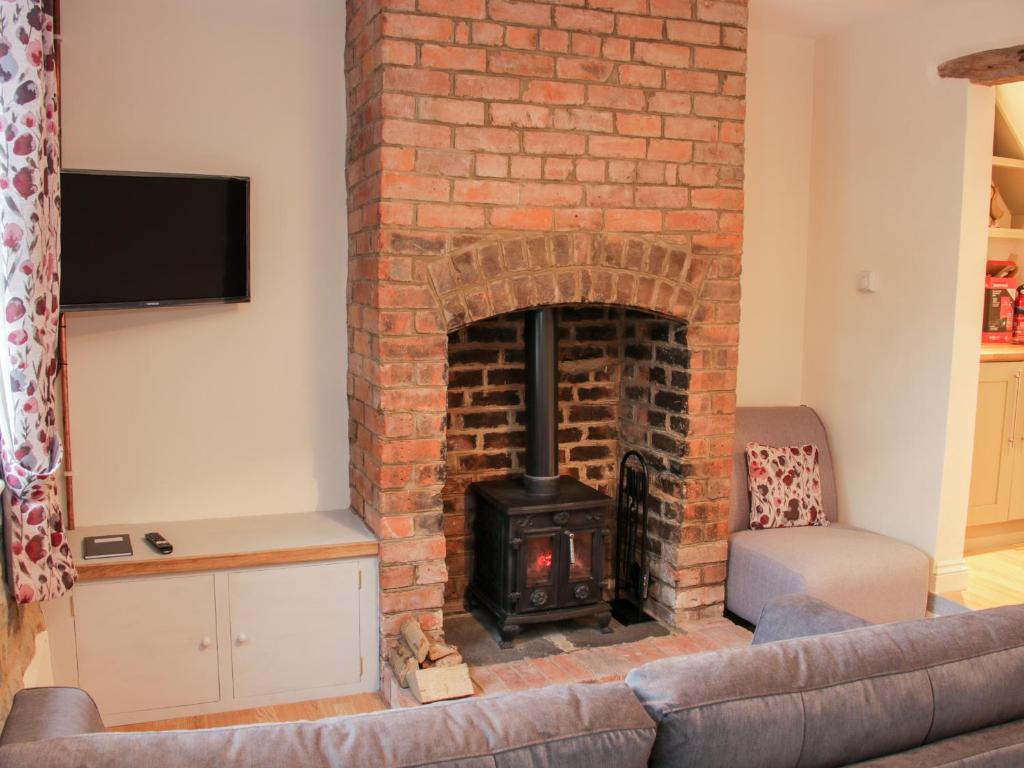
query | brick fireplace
(584,154)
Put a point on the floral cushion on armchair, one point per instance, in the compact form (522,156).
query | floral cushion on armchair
(785,486)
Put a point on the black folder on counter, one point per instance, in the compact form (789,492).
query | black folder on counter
(114,545)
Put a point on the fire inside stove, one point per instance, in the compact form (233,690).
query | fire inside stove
(540,571)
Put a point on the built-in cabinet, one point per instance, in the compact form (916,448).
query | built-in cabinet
(246,612)
(155,647)
(997,477)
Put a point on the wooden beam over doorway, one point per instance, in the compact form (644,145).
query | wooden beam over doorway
(995,67)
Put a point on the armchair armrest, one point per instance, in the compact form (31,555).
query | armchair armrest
(790,616)
(48,713)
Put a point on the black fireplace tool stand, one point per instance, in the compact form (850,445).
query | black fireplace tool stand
(632,577)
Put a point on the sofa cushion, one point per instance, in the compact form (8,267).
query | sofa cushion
(869,575)
(785,486)
(1001,746)
(46,713)
(836,699)
(576,725)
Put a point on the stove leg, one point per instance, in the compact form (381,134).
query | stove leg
(604,618)
(508,632)
(469,601)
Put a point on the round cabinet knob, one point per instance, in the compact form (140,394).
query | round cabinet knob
(538,598)
(205,643)
(582,592)
(242,638)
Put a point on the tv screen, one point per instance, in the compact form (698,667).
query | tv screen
(149,240)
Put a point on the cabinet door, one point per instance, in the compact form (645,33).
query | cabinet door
(147,643)
(294,628)
(1016,508)
(994,443)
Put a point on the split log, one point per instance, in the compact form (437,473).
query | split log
(440,650)
(449,661)
(416,641)
(402,663)
(994,67)
(440,683)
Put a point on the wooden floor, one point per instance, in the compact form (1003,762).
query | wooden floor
(280,713)
(996,578)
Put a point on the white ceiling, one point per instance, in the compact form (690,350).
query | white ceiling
(818,18)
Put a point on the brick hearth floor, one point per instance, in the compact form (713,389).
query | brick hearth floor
(588,665)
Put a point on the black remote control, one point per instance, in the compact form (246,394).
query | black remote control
(162,545)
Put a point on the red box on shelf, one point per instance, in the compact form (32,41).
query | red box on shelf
(1000,288)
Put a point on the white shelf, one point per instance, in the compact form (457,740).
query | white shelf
(1006,233)
(1007,162)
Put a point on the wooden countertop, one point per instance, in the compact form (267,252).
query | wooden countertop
(231,542)
(1002,353)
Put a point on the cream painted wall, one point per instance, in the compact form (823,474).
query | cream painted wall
(780,89)
(894,373)
(231,410)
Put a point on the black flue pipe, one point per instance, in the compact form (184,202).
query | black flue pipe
(541,477)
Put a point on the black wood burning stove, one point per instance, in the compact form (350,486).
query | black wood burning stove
(539,539)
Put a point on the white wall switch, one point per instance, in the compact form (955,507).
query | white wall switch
(867,282)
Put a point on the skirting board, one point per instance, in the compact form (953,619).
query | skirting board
(252,702)
(949,576)
(985,538)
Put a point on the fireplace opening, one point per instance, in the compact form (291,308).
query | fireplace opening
(621,385)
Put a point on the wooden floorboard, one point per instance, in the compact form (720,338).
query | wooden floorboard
(996,578)
(279,713)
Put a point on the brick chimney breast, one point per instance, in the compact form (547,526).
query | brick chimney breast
(507,154)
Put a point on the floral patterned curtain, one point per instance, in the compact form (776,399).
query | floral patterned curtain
(39,559)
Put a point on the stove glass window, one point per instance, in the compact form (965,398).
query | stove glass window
(539,559)
(581,547)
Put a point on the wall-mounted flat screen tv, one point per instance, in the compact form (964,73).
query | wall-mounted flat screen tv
(152,240)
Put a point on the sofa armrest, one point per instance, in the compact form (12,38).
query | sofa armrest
(790,616)
(48,713)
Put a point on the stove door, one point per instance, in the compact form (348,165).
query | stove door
(539,568)
(583,552)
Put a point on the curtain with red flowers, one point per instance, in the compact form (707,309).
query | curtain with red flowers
(39,559)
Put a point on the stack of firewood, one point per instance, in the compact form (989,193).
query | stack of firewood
(431,671)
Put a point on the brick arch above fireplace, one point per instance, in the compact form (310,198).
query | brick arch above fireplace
(506,274)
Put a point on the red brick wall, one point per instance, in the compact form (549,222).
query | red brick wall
(656,419)
(508,154)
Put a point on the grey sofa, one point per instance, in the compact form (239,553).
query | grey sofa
(872,576)
(835,691)
(931,692)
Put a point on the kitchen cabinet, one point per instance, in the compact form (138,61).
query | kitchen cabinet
(997,474)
